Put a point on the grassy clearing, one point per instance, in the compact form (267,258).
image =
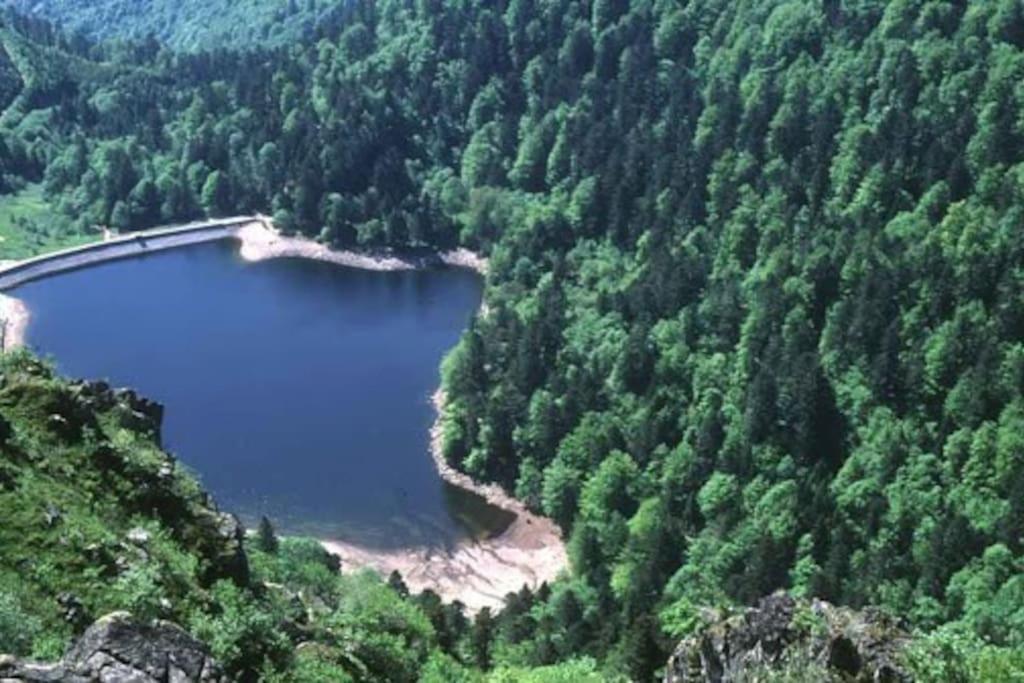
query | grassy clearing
(29,226)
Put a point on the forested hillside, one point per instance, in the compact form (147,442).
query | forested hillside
(754,312)
(10,80)
(10,86)
(190,24)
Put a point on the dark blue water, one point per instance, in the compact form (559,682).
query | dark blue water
(295,389)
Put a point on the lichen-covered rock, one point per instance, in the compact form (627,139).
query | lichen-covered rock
(222,543)
(118,649)
(780,631)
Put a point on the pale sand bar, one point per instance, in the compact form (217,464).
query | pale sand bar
(260,242)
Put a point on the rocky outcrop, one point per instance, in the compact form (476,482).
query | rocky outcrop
(134,412)
(780,631)
(151,482)
(222,542)
(218,536)
(118,649)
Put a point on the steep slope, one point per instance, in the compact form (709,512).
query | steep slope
(48,69)
(190,24)
(95,515)
(11,85)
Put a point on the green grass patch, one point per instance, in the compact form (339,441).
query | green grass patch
(30,226)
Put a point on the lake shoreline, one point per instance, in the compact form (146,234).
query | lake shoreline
(260,242)
(15,315)
(257,240)
(477,572)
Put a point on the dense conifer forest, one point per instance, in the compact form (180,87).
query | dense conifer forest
(755,314)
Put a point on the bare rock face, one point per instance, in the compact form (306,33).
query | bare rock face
(117,649)
(780,631)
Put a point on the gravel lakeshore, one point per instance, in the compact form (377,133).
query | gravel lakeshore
(478,573)
(259,242)
(15,315)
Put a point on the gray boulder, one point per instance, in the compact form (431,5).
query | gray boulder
(118,649)
(780,633)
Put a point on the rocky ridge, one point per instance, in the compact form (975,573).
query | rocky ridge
(837,644)
(118,649)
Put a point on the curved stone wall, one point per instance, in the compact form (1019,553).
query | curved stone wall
(134,244)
